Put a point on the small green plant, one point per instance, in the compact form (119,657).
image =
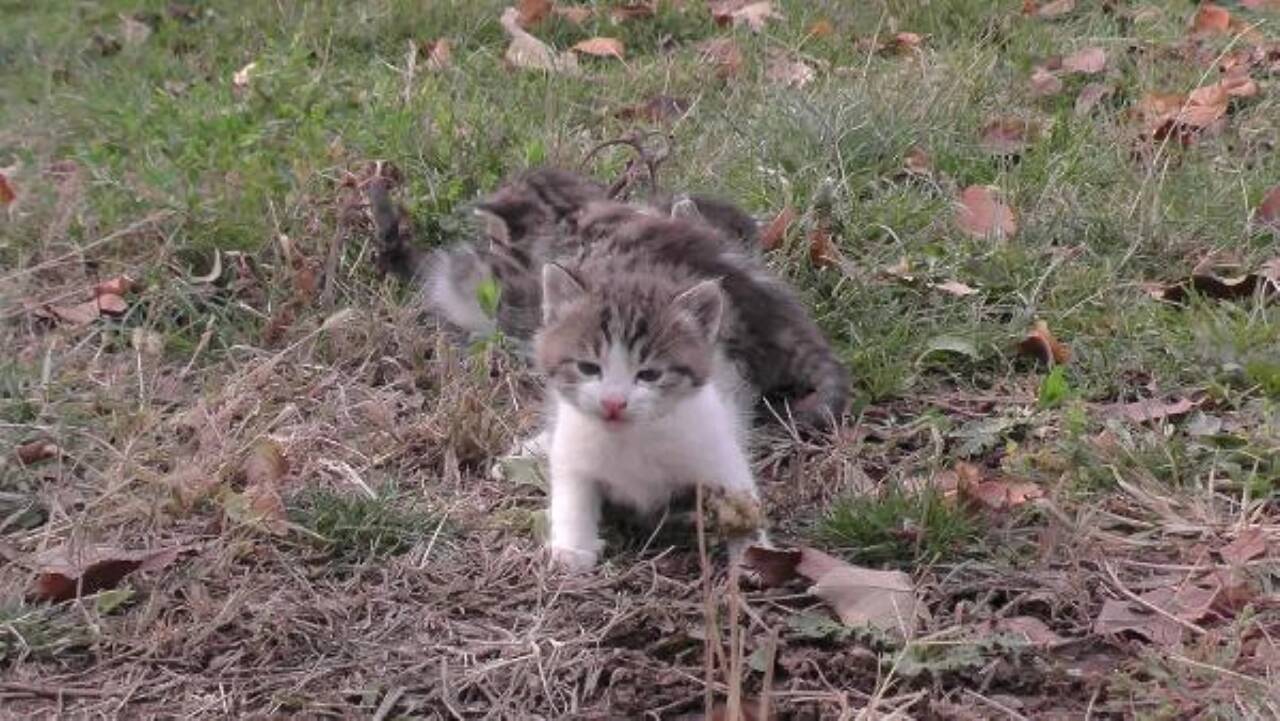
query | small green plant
(354,528)
(899,527)
(36,631)
(1054,389)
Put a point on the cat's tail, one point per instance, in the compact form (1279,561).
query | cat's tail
(450,282)
(816,362)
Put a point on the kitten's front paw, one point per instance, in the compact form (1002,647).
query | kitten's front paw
(573,560)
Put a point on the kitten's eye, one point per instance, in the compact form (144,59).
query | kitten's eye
(588,369)
(649,375)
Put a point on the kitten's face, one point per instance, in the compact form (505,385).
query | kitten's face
(629,351)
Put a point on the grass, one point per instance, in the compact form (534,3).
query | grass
(145,158)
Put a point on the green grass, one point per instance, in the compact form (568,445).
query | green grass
(354,528)
(899,527)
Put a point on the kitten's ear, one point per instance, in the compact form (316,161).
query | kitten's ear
(559,288)
(685,208)
(495,228)
(704,303)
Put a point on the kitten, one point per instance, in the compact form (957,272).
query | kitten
(535,219)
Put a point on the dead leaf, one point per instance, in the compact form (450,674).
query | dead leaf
(901,42)
(7,194)
(1044,83)
(1050,10)
(724,54)
(1210,19)
(822,28)
(980,215)
(954,287)
(1268,212)
(265,465)
(1187,602)
(786,71)
(133,31)
(63,572)
(993,494)
(1008,136)
(112,304)
(36,452)
(1090,95)
(658,109)
(600,47)
(772,567)
(1030,629)
(439,54)
(529,53)
(860,596)
(531,12)
(775,233)
(76,315)
(901,270)
(240,80)
(119,285)
(823,252)
(1039,343)
(635,11)
(1208,283)
(576,14)
(917,162)
(1150,409)
(1088,61)
(1251,543)
(754,15)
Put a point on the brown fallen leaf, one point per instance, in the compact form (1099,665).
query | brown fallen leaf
(1268,211)
(1089,97)
(823,252)
(657,109)
(980,215)
(1187,602)
(119,285)
(1044,82)
(133,31)
(63,572)
(76,315)
(1210,19)
(724,55)
(1008,136)
(7,194)
(1030,629)
(775,233)
(786,71)
(529,53)
(953,287)
(112,304)
(860,596)
(772,567)
(576,14)
(36,452)
(1204,281)
(1150,409)
(1049,10)
(1088,61)
(1040,344)
(633,11)
(1249,544)
(754,15)
(822,28)
(902,42)
(265,464)
(600,47)
(993,494)
(917,162)
(532,12)
(439,54)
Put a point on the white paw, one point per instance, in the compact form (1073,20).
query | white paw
(573,560)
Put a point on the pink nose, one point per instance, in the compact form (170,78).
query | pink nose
(613,407)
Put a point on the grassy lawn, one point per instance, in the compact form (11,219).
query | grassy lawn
(294,466)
